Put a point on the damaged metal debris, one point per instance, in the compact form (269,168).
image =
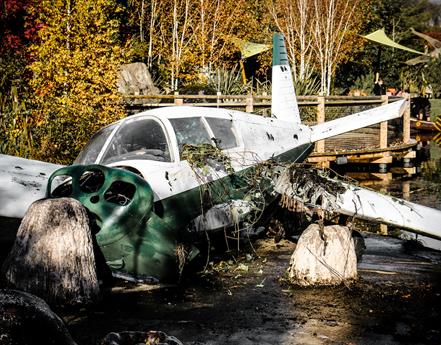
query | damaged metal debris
(310,186)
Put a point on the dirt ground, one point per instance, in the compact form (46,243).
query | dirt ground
(243,301)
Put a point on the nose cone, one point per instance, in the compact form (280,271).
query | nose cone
(119,202)
(133,239)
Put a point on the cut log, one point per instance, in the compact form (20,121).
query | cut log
(27,320)
(323,257)
(52,256)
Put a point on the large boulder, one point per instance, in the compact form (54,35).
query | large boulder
(53,255)
(27,320)
(135,79)
(323,256)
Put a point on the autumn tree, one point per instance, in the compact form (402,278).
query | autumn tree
(321,34)
(336,24)
(214,23)
(142,18)
(17,30)
(75,74)
(187,37)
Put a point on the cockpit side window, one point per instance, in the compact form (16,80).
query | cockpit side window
(191,131)
(223,131)
(90,152)
(138,139)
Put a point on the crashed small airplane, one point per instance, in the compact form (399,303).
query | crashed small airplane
(154,181)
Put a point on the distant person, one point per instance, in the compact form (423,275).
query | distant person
(379,88)
(402,93)
(420,108)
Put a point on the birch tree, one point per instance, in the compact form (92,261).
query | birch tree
(215,21)
(333,22)
(171,39)
(320,34)
(293,18)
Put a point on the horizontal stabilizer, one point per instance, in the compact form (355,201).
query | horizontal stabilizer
(22,181)
(358,120)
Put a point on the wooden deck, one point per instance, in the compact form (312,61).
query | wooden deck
(398,154)
(373,155)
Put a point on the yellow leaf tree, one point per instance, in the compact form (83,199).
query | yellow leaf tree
(75,71)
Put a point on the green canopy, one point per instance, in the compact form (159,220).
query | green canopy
(248,49)
(379,36)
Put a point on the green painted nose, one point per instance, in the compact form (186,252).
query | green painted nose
(119,201)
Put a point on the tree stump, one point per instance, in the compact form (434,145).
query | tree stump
(52,256)
(27,320)
(323,257)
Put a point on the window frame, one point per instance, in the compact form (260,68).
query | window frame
(140,118)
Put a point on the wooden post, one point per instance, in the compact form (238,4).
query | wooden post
(218,98)
(265,110)
(406,190)
(406,122)
(249,104)
(178,101)
(383,230)
(383,227)
(383,125)
(320,145)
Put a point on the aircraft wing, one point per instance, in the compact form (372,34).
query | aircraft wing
(358,120)
(343,198)
(22,181)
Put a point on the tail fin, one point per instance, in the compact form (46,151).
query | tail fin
(284,102)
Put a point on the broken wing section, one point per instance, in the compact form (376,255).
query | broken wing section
(370,205)
(358,120)
(312,189)
(22,181)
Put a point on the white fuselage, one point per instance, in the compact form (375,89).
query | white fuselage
(257,139)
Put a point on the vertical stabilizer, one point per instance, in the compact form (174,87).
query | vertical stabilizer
(284,103)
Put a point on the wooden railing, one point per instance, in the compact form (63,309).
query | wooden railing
(251,103)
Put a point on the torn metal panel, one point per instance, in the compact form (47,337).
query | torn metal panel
(313,189)
(223,215)
(22,181)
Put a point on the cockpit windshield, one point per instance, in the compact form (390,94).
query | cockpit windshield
(90,152)
(190,131)
(138,139)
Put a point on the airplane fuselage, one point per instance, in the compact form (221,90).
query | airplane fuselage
(155,146)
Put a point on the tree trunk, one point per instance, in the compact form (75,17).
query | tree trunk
(53,256)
